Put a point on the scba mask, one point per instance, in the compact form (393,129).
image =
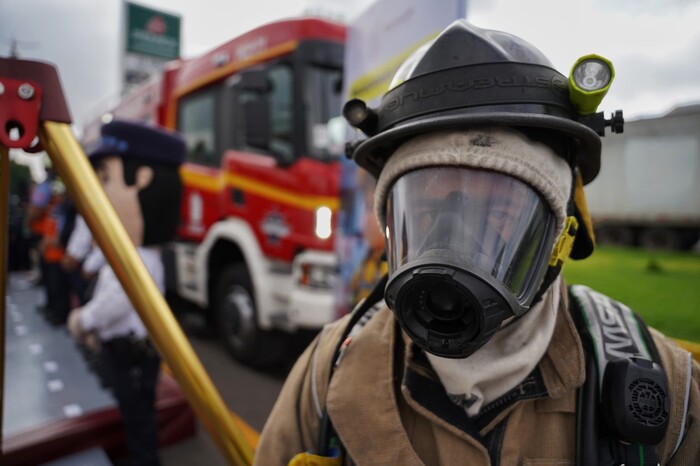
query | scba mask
(481,99)
(467,249)
(472,219)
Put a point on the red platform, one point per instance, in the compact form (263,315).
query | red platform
(101,429)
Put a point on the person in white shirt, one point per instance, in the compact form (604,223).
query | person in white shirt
(138,167)
(80,246)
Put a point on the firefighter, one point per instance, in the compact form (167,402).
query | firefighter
(372,267)
(479,353)
(54,279)
(138,167)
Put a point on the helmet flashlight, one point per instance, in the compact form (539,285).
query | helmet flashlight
(360,116)
(592,75)
(589,81)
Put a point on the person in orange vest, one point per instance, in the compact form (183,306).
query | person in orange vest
(55,279)
(38,208)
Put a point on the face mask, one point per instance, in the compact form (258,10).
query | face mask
(467,249)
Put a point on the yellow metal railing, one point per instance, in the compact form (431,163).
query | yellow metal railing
(694,348)
(4,211)
(72,165)
(32,104)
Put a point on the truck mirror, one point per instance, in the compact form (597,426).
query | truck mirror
(257,123)
(255,81)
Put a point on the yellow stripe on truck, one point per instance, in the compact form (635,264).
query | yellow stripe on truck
(216,183)
(202,181)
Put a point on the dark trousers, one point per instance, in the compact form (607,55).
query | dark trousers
(17,251)
(79,285)
(57,285)
(131,369)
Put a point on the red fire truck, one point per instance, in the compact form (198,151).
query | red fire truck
(260,115)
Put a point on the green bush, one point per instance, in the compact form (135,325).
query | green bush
(663,287)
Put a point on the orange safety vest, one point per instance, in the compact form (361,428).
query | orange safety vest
(53,250)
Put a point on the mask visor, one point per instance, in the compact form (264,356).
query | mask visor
(490,224)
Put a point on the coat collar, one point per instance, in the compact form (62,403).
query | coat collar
(563,374)
(362,399)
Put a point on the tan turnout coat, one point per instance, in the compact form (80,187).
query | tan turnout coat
(384,422)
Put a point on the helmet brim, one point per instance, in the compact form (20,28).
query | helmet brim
(372,153)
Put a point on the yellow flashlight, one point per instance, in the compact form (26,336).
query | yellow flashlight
(589,81)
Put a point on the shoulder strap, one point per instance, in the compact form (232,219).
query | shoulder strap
(615,330)
(623,405)
(360,316)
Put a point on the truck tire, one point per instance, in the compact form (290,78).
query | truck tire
(237,321)
(660,238)
(614,235)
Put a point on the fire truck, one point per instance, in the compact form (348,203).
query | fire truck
(260,116)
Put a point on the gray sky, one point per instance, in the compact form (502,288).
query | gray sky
(654,44)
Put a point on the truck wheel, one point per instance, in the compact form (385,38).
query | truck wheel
(615,235)
(660,238)
(236,317)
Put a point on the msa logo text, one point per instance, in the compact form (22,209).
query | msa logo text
(475,84)
(617,342)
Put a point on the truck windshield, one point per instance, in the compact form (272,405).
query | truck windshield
(322,105)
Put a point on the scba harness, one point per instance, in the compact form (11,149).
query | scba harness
(623,406)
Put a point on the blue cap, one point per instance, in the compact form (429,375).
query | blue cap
(139,141)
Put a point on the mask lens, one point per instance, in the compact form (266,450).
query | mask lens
(592,75)
(491,222)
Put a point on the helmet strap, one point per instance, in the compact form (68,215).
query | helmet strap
(565,242)
(585,238)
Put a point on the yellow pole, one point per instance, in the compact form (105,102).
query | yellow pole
(692,347)
(4,210)
(73,166)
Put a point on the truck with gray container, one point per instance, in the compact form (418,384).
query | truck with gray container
(648,190)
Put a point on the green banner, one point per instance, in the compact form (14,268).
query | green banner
(152,32)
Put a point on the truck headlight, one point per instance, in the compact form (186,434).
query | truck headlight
(317,276)
(324,217)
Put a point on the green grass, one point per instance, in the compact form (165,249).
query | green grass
(663,287)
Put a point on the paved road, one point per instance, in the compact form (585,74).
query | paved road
(30,340)
(249,393)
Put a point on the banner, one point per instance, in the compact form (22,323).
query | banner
(379,40)
(151,38)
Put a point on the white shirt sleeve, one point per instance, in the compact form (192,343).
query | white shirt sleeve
(94,261)
(108,305)
(80,241)
(110,312)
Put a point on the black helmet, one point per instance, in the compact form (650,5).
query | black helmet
(470,76)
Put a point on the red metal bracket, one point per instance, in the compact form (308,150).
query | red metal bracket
(30,93)
(20,102)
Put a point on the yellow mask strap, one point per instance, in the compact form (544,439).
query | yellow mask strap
(566,242)
(580,201)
